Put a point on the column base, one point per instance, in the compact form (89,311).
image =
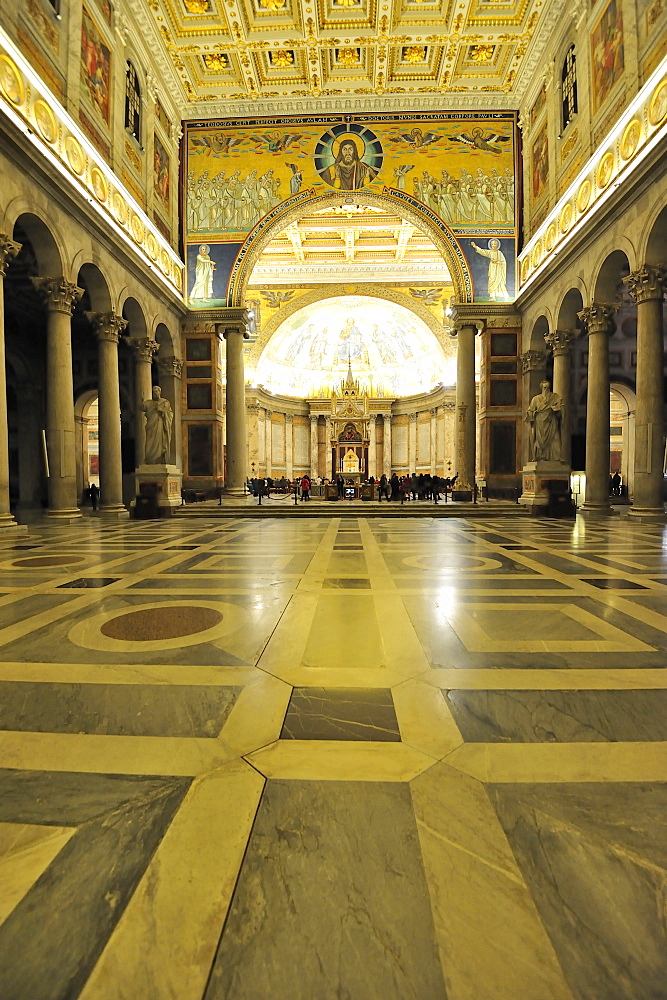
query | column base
(235,491)
(162,483)
(596,510)
(114,511)
(64,515)
(648,513)
(9,527)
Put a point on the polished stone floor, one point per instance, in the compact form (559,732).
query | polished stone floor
(334,759)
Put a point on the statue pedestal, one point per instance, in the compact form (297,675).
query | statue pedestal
(535,478)
(163,483)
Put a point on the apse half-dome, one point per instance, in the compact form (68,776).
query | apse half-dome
(391,351)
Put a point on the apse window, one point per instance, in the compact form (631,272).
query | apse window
(569,88)
(132,103)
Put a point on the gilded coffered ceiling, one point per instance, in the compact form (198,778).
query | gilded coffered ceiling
(350,242)
(227,56)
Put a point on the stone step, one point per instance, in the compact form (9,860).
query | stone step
(285,507)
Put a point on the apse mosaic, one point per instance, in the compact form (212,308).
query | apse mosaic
(391,351)
(459,167)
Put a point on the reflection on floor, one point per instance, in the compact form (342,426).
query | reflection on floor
(339,759)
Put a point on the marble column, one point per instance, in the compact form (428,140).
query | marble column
(596,319)
(647,287)
(289,446)
(412,442)
(268,450)
(465,406)
(108,328)
(327,447)
(171,371)
(534,371)
(234,330)
(559,342)
(386,448)
(143,351)
(314,450)
(372,446)
(433,440)
(8,250)
(31,464)
(253,440)
(60,296)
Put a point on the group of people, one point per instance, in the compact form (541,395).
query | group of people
(222,202)
(413,487)
(483,198)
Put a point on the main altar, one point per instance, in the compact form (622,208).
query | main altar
(350,418)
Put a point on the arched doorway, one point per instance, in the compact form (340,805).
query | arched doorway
(622,405)
(87,441)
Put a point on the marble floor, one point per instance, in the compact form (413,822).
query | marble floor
(334,759)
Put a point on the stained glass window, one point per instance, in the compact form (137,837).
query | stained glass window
(132,102)
(569,88)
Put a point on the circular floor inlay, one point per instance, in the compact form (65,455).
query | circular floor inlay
(47,560)
(151,624)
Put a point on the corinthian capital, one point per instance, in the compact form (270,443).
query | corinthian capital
(170,367)
(143,348)
(8,250)
(596,316)
(60,295)
(647,283)
(533,361)
(558,341)
(107,326)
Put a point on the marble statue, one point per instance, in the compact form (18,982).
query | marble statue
(544,417)
(159,420)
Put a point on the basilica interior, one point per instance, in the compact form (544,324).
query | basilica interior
(353,748)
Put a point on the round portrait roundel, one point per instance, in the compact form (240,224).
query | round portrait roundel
(348,157)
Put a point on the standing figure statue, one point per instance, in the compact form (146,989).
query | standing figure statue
(159,420)
(544,417)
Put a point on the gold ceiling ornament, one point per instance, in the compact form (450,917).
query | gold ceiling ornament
(348,56)
(197,6)
(273,4)
(282,58)
(481,53)
(414,53)
(216,61)
(345,3)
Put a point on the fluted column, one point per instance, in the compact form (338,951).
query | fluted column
(268,450)
(8,250)
(171,371)
(372,446)
(596,319)
(314,449)
(386,448)
(647,287)
(108,328)
(559,341)
(465,406)
(143,351)
(234,329)
(289,445)
(61,296)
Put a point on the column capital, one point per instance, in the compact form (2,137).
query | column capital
(646,283)
(289,418)
(268,413)
(596,316)
(558,341)
(533,361)
(60,295)
(143,349)
(229,321)
(107,326)
(253,408)
(170,366)
(8,250)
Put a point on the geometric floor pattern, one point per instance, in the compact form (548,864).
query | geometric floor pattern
(334,758)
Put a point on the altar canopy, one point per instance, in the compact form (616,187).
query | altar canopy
(392,351)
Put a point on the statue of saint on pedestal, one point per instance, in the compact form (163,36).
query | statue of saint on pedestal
(159,420)
(544,417)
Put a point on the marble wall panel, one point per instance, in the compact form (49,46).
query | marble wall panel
(278,441)
(301,443)
(399,445)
